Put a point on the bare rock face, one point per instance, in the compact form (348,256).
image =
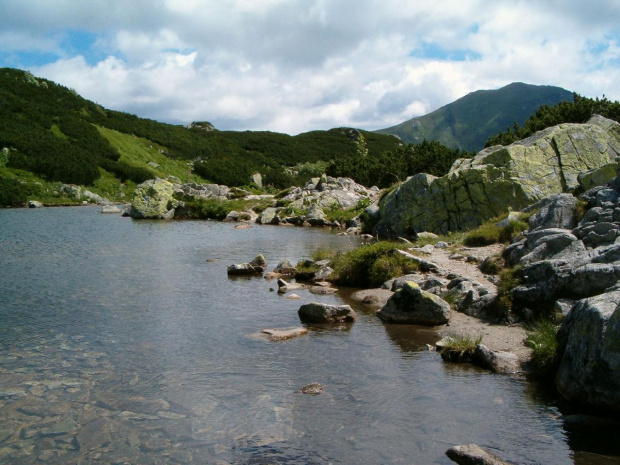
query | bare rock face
(589,341)
(411,305)
(326,314)
(499,178)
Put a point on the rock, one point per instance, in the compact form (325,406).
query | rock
(499,362)
(598,176)
(323,313)
(412,305)
(269,216)
(153,200)
(315,216)
(293,297)
(472,454)
(34,204)
(71,190)
(424,265)
(323,273)
(555,211)
(110,209)
(313,389)
(441,245)
(589,351)
(427,235)
(94,198)
(284,334)
(497,179)
(284,287)
(321,290)
(427,249)
(256,266)
(285,268)
(563,306)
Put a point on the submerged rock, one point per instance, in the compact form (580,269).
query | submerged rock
(311,389)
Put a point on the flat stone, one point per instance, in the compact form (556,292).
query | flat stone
(284,334)
(472,454)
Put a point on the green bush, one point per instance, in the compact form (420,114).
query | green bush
(371,265)
(486,234)
(12,192)
(509,278)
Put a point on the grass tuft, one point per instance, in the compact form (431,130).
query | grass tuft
(541,338)
(459,348)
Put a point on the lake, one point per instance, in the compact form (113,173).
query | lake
(125,341)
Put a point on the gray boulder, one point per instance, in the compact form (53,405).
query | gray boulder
(315,216)
(589,347)
(412,305)
(269,216)
(555,211)
(320,313)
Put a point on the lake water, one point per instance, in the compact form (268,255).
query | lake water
(124,341)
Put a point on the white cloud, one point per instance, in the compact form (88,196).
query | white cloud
(297,65)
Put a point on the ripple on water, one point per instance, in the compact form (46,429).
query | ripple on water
(120,342)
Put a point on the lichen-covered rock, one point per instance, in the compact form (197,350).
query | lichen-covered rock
(412,305)
(269,216)
(499,178)
(326,314)
(589,341)
(316,216)
(153,200)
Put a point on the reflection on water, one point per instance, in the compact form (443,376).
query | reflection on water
(124,341)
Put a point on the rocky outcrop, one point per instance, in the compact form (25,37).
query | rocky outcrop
(411,305)
(153,200)
(320,313)
(500,178)
(202,191)
(328,192)
(589,340)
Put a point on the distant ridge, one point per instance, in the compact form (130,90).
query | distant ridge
(468,122)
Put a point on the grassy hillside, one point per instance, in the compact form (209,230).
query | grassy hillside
(469,121)
(51,135)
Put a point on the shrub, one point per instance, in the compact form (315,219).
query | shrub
(12,192)
(510,231)
(543,341)
(509,278)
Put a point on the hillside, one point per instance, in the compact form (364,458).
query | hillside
(468,122)
(50,134)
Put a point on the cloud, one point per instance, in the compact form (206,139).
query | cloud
(298,65)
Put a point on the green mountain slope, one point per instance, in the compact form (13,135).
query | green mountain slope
(467,122)
(50,134)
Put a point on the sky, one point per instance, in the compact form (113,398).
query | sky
(298,65)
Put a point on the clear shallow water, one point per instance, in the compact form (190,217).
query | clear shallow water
(120,342)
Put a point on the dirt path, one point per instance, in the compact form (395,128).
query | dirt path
(497,337)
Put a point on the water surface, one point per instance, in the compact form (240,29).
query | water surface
(125,341)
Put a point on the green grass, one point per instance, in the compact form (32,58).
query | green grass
(459,348)
(541,338)
(371,265)
(137,151)
(509,278)
(490,233)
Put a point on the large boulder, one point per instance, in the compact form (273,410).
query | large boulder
(555,211)
(589,341)
(411,305)
(499,178)
(255,267)
(316,216)
(153,200)
(326,314)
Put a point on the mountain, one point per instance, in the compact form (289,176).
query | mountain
(50,134)
(468,122)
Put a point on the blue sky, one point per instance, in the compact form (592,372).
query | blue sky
(298,65)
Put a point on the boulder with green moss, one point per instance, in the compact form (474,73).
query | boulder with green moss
(500,178)
(153,199)
(411,305)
